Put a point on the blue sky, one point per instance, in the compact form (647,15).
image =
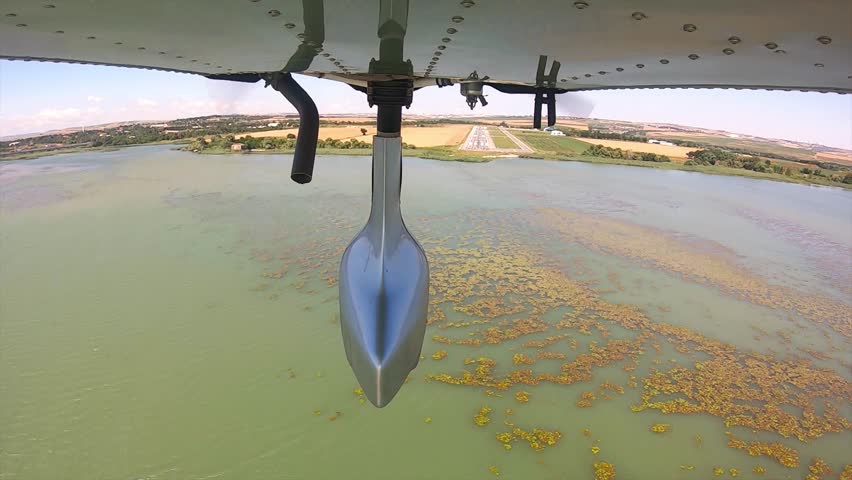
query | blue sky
(41,96)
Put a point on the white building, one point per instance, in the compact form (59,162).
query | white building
(556,133)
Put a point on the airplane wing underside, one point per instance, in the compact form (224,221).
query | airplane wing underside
(772,44)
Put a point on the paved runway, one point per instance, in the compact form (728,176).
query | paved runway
(479,140)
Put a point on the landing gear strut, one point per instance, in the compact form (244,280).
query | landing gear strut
(384,274)
(545,91)
(544,95)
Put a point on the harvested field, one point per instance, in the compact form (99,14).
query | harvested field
(336,133)
(835,157)
(575,124)
(675,153)
(417,136)
(435,136)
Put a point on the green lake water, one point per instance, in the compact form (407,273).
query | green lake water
(142,335)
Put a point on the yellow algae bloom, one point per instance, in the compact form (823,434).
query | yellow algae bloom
(494,470)
(595,450)
(546,355)
(439,355)
(739,388)
(318,412)
(759,470)
(359,394)
(538,438)
(785,455)
(521,359)
(586,399)
(660,427)
(818,468)
(604,471)
(427,420)
(482,419)
(612,387)
(734,472)
(687,467)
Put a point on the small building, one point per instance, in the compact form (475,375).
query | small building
(237,147)
(556,133)
(662,142)
(272,124)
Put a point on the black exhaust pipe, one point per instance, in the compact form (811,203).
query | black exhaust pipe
(306,140)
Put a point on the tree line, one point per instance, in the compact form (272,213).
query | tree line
(724,158)
(609,152)
(137,134)
(744,151)
(224,142)
(716,156)
(601,135)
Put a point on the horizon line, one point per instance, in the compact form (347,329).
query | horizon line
(22,136)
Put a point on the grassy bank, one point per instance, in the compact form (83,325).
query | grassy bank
(453,154)
(449,154)
(61,151)
(710,170)
(48,153)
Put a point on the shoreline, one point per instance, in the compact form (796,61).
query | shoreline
(453,154)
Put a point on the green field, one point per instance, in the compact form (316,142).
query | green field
(501,141)
(544,142)
(755,146)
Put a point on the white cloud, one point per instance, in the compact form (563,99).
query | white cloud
(94,99)
(146,103)
(44,119)
(58,114)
